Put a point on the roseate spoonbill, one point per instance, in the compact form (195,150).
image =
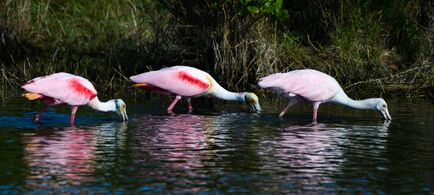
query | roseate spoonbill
(316,87)
(64,88)
(189,82)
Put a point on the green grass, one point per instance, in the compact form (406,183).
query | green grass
(90,38)
(370,47)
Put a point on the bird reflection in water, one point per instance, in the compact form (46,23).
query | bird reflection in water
(178,141)
(314,153)
(66,156)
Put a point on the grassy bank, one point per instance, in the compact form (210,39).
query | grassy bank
(371,48)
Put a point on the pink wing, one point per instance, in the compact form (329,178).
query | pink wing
(68,88)
(179,80)
(310,84)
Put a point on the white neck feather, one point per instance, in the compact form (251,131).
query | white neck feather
(102,106)
(342,98)
(221,93)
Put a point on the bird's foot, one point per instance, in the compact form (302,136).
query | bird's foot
(190,111)
(170,112)
(314,123)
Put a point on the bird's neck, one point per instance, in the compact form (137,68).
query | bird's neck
(102,106)
(221,93)
(343,99)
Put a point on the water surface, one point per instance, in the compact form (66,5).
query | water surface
(217,150)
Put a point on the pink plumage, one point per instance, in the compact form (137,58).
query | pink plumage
(310,84)
(189,82)
(177,80)
(67,88)
(316,87)
(64,88)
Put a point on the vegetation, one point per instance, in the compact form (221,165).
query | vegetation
(371,47)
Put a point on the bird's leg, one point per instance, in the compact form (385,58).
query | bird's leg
(315,112)
(285,110)
(36,118)
(72,117)
(169,109)
(190,107)
(292,101)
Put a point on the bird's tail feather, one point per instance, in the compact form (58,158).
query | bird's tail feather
(32,96)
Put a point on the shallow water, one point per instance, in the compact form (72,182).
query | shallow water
(217,150)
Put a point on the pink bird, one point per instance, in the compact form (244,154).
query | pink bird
(189,82)
(63,88)
(317,87)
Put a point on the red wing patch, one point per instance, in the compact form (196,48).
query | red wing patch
(186,77)
(79,88)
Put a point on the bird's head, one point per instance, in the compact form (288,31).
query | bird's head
(121,109)
(381,106)
(253,102)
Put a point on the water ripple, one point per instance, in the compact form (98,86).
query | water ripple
(219,152)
